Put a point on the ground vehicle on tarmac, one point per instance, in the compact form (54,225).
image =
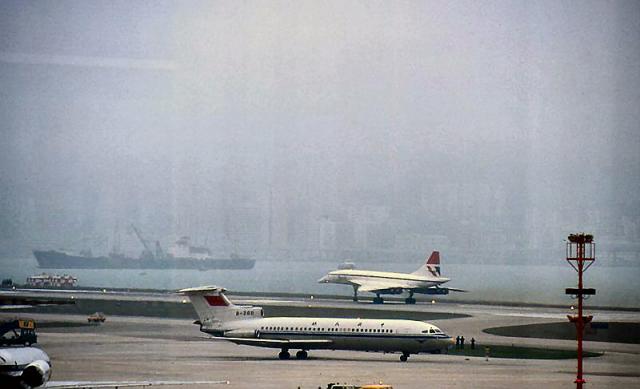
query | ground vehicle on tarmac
(97,317)
(18,331)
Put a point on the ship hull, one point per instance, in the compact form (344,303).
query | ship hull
(58,260)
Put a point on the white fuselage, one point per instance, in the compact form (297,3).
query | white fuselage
(387,335)
(23,367)
(384,279)
(20,357)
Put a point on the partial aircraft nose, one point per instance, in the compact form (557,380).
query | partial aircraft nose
(324,279)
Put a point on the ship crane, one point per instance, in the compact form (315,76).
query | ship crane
(159,251)
(148,252)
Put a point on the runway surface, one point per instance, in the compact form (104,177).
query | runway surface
(144,348)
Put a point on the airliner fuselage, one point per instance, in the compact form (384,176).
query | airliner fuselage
(246,325)
(351,277)
(343,334)
(426,279)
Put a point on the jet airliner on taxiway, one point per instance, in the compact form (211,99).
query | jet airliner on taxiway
(246,325)
(426,280)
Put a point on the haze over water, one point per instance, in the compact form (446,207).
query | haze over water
(306,131)
(485,283)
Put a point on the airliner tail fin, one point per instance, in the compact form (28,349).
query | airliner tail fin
(431,266)
(214,308)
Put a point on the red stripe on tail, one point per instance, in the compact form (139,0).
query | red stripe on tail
(216,301)
(434,259)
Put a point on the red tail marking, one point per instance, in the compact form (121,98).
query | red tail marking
(434,259)
(216,301)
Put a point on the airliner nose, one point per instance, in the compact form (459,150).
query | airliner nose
(323,279)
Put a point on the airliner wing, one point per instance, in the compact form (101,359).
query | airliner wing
(437,290)
(452,289)
(380,286)
(395,285)
(276,343)
(122,384)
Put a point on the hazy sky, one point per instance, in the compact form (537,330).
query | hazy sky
(223,118)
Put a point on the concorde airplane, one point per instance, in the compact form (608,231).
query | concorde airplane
(30,367)
(246,325)
(426,280)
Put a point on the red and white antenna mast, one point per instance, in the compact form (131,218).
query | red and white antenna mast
(581,253)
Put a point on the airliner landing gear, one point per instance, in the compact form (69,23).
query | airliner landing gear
(404,357)
(355,293)
(378,299)
(410,299)
(301,354)
(284,354)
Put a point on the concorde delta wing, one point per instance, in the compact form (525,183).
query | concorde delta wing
(277,343)
(454,289)
(381,286)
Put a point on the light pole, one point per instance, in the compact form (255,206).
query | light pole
(581,253)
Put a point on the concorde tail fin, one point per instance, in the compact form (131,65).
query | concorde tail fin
(431,266)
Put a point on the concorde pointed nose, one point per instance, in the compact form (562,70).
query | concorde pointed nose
(323,280)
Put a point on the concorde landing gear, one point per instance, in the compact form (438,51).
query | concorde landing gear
(301,354)
(404,357)
(378,299)
(410,299)
(355,293)
(284,354)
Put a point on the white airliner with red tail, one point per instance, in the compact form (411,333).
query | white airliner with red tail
(425,280)
(246,325)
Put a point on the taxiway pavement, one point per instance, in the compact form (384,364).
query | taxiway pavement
(144,348)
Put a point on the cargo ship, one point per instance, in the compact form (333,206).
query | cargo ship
(181,256)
